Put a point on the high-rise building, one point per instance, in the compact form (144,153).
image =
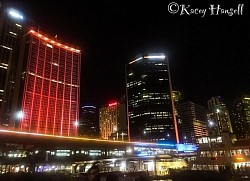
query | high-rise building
(46,98)
(241,117)
(218,117)
(112,120)
(89,123)
(193,121)
(13,25)
(149,103)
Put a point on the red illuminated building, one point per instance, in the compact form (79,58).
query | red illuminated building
(49,84)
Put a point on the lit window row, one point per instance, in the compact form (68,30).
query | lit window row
(60,82)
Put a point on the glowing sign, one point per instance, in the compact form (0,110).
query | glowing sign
(186,148)
(113,104)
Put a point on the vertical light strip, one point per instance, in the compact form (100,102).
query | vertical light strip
(41,94)
(70,121)
(127,112)
(78,89)
(65,59)
(172,101)
(34,86)
(58,71)
(49,97)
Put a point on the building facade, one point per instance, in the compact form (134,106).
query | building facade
(218,117)
(112,121)
(149,103)
(241,117)
(193,121)
(89,123)
(46,99)
(12,27)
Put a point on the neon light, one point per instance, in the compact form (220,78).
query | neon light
(113,104)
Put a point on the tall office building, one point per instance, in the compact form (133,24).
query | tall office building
(112,119)
(13,25)
(193,121)
(89,123)
(241,117)
(218,117)
(149,103)
(46,98)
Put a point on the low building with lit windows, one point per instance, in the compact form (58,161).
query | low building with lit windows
(222,152)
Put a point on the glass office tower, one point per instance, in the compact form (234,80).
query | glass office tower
(48,85)
(12,27)
(149,103)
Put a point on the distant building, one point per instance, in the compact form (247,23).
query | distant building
(241,117)
(89,124)
(112,120)
(150,108)
(13,25)
(46,97)
(193,121)
(218,117)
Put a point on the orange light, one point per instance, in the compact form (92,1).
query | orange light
(52,41)
(239,158)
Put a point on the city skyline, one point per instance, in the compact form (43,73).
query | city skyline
(208,56)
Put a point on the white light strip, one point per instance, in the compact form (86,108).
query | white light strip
(136,60)
(6,47)
(15,14)
(3,67)
(13,33)
(155,57)
(18,25)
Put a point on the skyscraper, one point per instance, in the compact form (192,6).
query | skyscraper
(193,121)
(241,117)
(149,103)
(218,116)
(89,123)
(13,25)
(46,98)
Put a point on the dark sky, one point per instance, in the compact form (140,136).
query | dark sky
(208,56)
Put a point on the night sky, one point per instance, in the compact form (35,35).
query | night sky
(209,56)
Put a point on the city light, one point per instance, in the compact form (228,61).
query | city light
(15,14)
(155,57)
(53,42)
(19,115)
